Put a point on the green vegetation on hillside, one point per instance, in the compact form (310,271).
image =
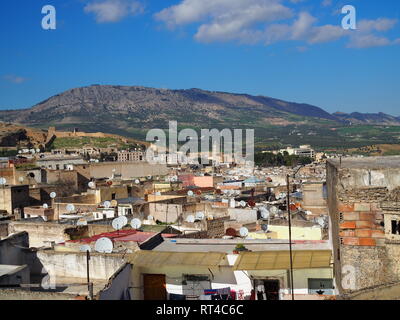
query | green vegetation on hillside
(79,142)
(268,159)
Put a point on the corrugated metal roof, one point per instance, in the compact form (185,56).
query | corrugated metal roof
(280,260)
(158,259)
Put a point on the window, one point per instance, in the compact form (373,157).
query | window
(320,286)
(395,227)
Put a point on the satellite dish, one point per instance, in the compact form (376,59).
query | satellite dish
(242,203)
(158,193)
(264,227)
(45,206)
(190,193)
(321,221)
(274,210)
(70,207)
(107,204)
(3,181)
(210,217)
(92,185)
(21,179)
(37,150)
(136,223)
(103,245)
(149,177)
(243,232)
(114,203)
(81,222)
(85,248)
(150,218)
(200,216)
(53,195)
(119,223)
(264,213)
(137,181)
(190,219)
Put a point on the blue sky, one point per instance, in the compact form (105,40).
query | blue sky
(294,50)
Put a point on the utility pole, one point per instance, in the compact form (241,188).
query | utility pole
(90,285)
(290,234)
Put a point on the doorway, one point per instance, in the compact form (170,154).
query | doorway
(154,287)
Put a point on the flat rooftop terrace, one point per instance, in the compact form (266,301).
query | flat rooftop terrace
(389,162)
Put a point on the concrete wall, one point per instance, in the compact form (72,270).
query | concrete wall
(73,264)
(127,170)
(225,276)
(18,275)
(243,215)
(13,197)
(41,233)
(119,285)
(165,212)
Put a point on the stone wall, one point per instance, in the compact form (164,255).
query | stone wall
(358,200)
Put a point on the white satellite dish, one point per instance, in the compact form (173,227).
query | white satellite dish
(45,206)
(264,213)
(190,219)
(21,179)
(136,223)
(91,185)
(37,150)
(119,223)
(149,177)
(85,248)
(190,193)
(264,227)
(3,181)
(137,181)
(81,222)
(321,221)
(243,232)
(242,203)
(53,195)
(70,207)
(103,245)
(150,218)
(274,210)
(200,216)
(107,204)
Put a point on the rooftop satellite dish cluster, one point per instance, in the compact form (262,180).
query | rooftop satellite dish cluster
(104,244)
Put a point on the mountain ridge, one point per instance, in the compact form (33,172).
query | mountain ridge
(128,110)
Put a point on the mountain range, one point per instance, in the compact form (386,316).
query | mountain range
(131,110)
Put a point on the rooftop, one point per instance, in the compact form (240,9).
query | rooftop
(228,245)
(366,162)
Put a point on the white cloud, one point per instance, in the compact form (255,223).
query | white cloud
(267,21)
(368,41)
(113,10)
(326,3)
(14,79)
